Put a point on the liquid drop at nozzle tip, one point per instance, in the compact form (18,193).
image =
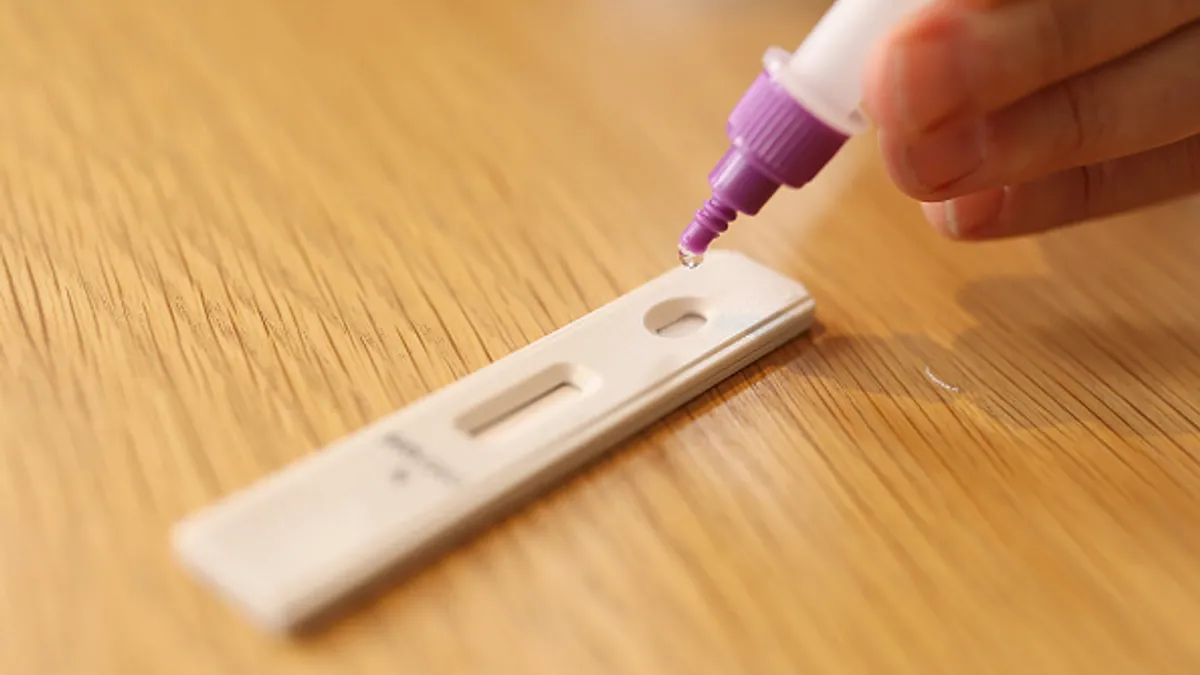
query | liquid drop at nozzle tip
(690,259)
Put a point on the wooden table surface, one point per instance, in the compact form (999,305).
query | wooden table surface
(231,232)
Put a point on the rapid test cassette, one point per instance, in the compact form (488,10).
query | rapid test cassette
(288,547)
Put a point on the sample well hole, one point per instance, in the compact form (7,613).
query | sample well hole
(684,325)
(527,403)
(676,317)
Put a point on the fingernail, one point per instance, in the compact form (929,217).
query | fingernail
(950,218)
(938,216)
(966,217)
(946,156)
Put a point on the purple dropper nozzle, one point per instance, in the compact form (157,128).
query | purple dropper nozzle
(775,141)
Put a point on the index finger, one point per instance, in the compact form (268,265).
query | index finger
(960,58)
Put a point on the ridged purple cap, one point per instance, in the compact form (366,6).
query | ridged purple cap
(775,141)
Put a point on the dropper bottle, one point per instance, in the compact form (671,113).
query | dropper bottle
(794,118)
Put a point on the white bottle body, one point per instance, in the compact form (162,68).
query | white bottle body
(825,73)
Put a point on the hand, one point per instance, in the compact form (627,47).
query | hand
(1010,117)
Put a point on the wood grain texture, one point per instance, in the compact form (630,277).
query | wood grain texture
(232,232)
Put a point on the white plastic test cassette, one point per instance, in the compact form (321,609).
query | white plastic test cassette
(288,547)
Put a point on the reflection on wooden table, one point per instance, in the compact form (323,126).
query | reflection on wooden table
(233,232)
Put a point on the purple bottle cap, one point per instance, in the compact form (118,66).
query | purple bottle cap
(775,141)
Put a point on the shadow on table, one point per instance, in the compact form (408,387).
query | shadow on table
(1120,347)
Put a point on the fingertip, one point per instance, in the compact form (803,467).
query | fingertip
(893,152)
(875,104)
(882,77)
(914,80)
